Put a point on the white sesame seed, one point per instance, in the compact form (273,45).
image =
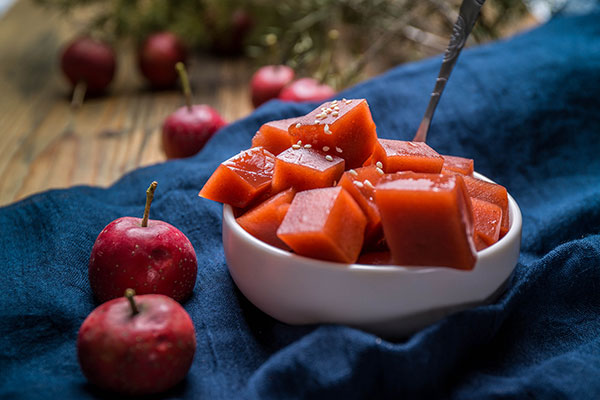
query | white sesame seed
(316,122)
(327,130)
(369,184)
(307,146)
(328,111)
(335,113)
(298,125)
(334,102)
(336,108)
(348,101)
(299,142)
(325,148)
(344,99)
(379,164)
(323,108)
(338,149)
(295,146)
(359,184)
(352,172)
(379,171)
(328,157)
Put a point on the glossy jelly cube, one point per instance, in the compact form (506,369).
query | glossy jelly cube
(305,168)
(360,183)
(427,220)
(400,155)
(459,165)
(487,218)
(274,136)
(324,223)
(343,128)
(492,193)
(241,179)
(263,220)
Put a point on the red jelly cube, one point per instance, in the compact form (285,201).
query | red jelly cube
(492,193)
(241,179)
(324,223)
(305,168)
(274,136)
(487,218)
(453,164)
(341,127)
(263,220)
(427,220)
(400,155)
(360,183)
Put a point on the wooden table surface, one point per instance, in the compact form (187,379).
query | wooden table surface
(45,144)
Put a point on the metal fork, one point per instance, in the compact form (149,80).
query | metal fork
(469,11)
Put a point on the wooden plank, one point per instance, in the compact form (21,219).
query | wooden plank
(44,144)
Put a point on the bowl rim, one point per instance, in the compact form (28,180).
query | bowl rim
(499,246)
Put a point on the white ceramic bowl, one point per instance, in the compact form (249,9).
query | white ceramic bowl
(391,301)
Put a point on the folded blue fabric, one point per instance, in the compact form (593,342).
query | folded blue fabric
(527,110)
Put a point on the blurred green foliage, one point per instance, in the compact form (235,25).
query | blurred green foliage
(332,40)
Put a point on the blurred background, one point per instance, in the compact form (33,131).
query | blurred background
(88,84)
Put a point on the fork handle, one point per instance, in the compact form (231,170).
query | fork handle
(467,16)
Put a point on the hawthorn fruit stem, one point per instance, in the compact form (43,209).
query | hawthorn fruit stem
(78,94)
(149,198)
(185,84)
(129,293)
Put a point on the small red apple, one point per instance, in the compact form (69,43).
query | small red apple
(150,256)
(268,81)
(241,25)
(228,37)
(306,89)
(137,346)
(157,57)
(89,61)
(186,131)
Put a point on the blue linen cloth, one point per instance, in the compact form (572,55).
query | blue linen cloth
(525,109)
